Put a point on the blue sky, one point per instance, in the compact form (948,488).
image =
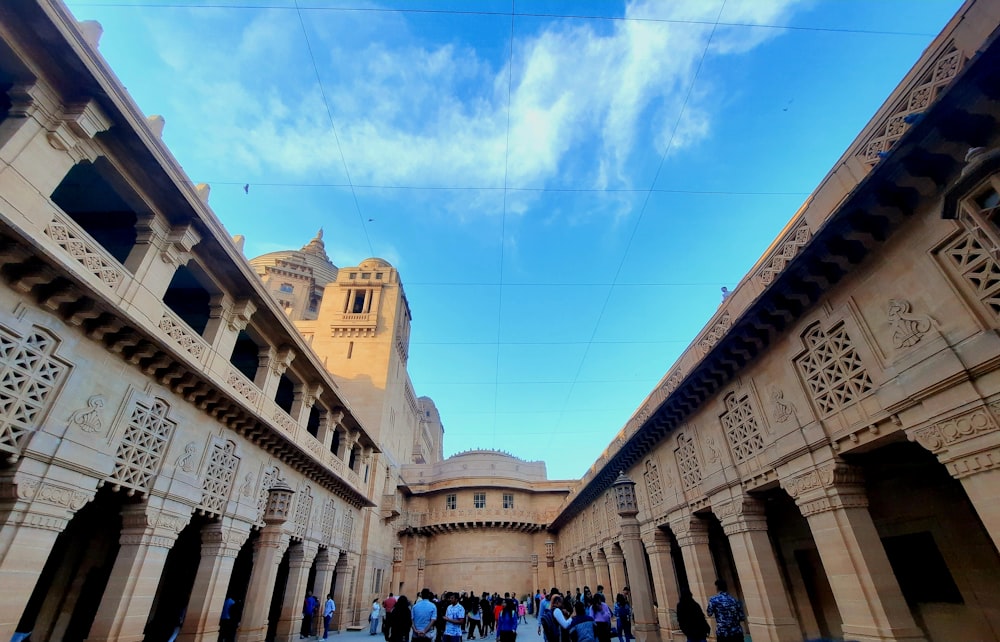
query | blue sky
(563,211)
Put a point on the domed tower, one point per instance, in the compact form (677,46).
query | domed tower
(297,278)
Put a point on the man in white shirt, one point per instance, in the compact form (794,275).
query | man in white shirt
(328,610)
(454,616)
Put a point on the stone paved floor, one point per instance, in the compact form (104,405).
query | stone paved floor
(525,633)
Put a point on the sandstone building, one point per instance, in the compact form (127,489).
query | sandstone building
(173,415)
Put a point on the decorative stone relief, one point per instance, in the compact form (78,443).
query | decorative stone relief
(303,509)
(47,493)
(842,486)
(687,462)
(714,455)
(717,331)
(242,385)
(222,466)
(246,490)
(88,419)
(832,370)
(938,437)
(907,328)
(328,521)
(186,460)
(182,335)
(142,446)
(741,427)
(934,79)
(86,252)
(786,251)
(671,384)
(653,485)
(781,409)
(30,376)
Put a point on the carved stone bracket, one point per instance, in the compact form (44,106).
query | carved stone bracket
(830,486)
(43,492)
(178,244)
(741,515)
(939,437)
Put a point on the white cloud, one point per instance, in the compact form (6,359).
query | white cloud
(586,97)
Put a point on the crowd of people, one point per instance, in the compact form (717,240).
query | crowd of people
(562,616)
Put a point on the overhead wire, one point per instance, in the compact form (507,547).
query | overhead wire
(333,126)
(470,12)
(642,212)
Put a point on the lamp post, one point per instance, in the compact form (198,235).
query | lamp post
(270,548)
(646,627)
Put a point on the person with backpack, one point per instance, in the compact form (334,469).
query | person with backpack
(623,612)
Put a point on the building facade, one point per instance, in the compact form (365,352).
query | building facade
(173,415)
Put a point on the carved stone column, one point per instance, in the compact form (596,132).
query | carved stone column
(220,544)
(589,572)
(268,551)
(646,628)
(692,537)
(300,559)
(421,564)
(616,564)
(603,574)
(32,514)
(550,563)
(342,592)
(326,562)
(271,364)
(534,574)
(769,611)
(969,447)
(832,498)
(147,536)
(657,545)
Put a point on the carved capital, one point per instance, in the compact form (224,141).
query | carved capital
(831,486)
(240,315)
(938,437)
(741,515)
(279,364)
(178,244)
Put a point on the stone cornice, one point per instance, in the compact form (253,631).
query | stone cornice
(930,154)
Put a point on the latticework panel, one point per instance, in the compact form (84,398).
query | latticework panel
(832,370)
(687,462)
(303,508)
(222,465)
(29,377)
(612,515)
(741,428)
(329,521)
(347,528)
(654,487)
(142,446)
(267,480)
(976,266)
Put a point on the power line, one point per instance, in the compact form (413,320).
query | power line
(642,210)
(503,219)
(487,188)
(455,12)
(333,126)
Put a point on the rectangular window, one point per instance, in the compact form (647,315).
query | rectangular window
(287,287)
(508,500)
(354,275)
(451,502)
(366,275)
(479,500)
(359,302)
(378,276)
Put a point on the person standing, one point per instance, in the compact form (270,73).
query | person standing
(728,614)
(623,611)
(424,614)
(308,612)
(454,616)
(328,610)
(387,606)
(507,623)
(400,620)
(374,616)
(602,618)
(691,620)
(227,621)
(581,627)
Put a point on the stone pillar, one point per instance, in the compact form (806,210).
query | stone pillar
(534,575)
(397,567)
(589,572)
(657,545)
(550,563)
(646,628)
(271,364)
(220,544)
(342,592)
(32,514)
(326,561)
(969,447)
(268,551)
(226,320)
(421,564)
(616,564)
(300,559)
(768,609)
(603,574)
(692,537)
(147,536)
(159,250)
(832,498)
